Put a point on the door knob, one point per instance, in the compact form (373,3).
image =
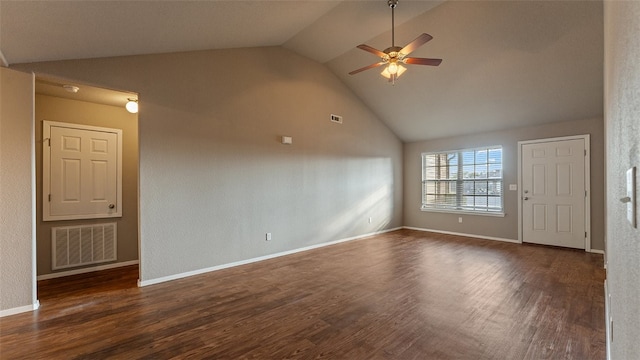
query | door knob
(111,206)
(525,198)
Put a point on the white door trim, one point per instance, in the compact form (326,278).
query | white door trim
(587,182)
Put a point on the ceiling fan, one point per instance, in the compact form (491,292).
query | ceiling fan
(394,56)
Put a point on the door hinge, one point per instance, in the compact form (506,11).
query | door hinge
(48,140)
(585,152)
(585,234)
(49,197)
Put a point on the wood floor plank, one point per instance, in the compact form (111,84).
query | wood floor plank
(401,295)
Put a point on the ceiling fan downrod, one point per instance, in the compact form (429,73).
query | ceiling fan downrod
(392,4)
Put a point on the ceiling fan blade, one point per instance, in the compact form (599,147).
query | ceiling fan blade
(422,61)
(371,50)
(419,41)
(366,68)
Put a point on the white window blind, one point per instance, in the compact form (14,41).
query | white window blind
(468,180)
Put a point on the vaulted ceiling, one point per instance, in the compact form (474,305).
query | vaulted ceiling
(506,63)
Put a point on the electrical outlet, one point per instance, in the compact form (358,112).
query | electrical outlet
(460,219)
(268,237)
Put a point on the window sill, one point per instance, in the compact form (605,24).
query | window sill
(462,212)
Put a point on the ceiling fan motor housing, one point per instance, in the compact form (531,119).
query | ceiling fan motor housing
(395,49)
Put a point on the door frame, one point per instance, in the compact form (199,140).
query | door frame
(61,80)
(587,182)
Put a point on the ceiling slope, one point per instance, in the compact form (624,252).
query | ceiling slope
(349,24)
(506,63)
(34,31)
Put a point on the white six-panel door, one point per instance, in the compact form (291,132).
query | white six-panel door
(82,172)
(553,193)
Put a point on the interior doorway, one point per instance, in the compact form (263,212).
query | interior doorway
(554,192)
(87,238)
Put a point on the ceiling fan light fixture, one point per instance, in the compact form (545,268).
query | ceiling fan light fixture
(392,68)
(399,71)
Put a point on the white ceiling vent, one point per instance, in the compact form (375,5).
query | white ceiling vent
(336,118)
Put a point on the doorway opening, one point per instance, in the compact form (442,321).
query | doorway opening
(85,252)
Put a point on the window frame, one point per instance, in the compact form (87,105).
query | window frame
(459,181)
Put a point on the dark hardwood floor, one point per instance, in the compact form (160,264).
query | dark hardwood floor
(401,295)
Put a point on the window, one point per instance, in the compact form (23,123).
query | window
(467,180)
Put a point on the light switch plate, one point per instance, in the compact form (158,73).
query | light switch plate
(631,195)
(513,187)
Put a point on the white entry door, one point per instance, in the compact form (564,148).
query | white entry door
(82,172)
(553,193)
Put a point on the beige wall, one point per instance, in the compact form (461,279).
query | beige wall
(80,112)
(16,201)
(501,227)
(622,124)
(214,177)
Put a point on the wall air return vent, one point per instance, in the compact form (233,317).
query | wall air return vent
(83,245)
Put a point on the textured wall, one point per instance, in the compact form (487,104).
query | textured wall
(502,227)
(16,149)
(214,177)
(80,112)
(622,125)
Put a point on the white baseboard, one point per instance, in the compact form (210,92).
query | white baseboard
(20,309)
(260,258)
(463,234)
(87,270)
(3,60)
(607,320)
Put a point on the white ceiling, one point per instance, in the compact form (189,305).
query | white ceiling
(506,63)
(55,87)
